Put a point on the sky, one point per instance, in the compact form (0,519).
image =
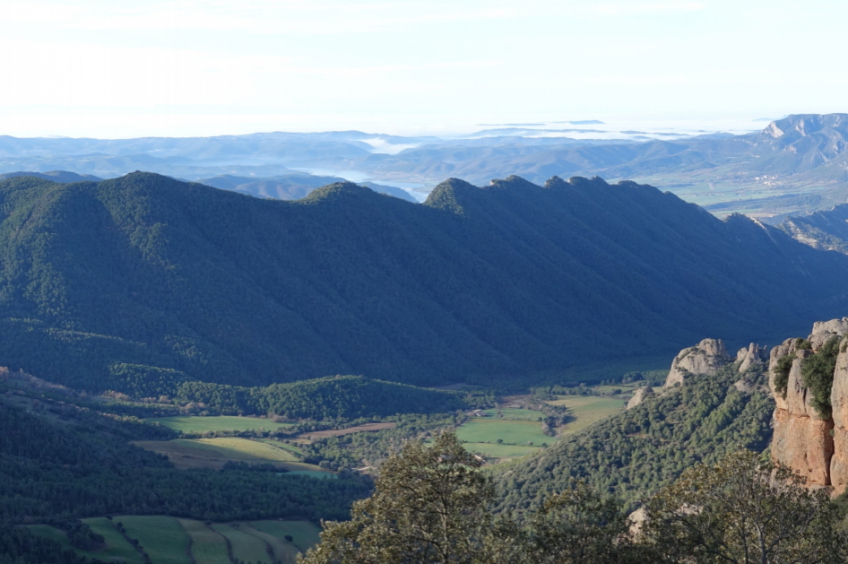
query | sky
(118,69)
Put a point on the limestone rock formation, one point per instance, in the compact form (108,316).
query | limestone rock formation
(839,401)
(812,446)
(748,357)
(704,358)
(824,330)
(640,395)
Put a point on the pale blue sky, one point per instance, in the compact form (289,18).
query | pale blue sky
(124,69)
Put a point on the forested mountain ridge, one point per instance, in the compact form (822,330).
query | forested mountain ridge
(147,278)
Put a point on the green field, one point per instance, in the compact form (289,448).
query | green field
(162,538)
(220,423)
(214,453)
(168,540)
(587,410)
(625,388)
(510,431)
(304,534)
(494,450)
(117,548)
(515,413)
(207,546)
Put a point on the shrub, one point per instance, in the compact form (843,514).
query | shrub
(817,372)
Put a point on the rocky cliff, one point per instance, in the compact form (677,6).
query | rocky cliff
(704,358)
(809,381)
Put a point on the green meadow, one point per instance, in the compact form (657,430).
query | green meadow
(214,453)
(587,410)
(216,424)
(167,540)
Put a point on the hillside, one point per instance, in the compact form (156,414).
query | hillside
(826,230)
(290,186)
(793,165)
(634,453)
(147,279)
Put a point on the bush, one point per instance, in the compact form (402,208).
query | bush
(781,374)
(817,372)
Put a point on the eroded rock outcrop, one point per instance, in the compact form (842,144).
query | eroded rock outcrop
(639,396)
(704,358)
(752,355)
(811,442)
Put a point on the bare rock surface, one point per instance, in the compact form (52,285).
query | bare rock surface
(639,396)
(814,447)
(704,358)
(804,445)
(750,356)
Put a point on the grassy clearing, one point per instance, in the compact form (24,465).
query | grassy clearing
(315,435)
(167,540)
(163,538)
(245,547)
(219,423)
(292,448)
(283,551)
(214,453)
(625,388)
(207,546)
(510,431)
(495,450)
(587,410)
(305,535)
(518,414)
(116,548)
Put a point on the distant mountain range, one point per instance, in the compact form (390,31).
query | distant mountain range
(147,280)
(292,186)
(796,164)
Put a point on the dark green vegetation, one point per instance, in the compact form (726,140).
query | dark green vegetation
(333,397)
(817,374)
(431,506)
(634,453)
(165,540)
(143,283)
(20,546)
(60,461)
(781,376)
(366,449)
(292,186)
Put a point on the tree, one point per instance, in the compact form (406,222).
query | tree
(744,511)
(429,506)
(579,526)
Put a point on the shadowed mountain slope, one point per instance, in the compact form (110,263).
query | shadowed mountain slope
(146,278)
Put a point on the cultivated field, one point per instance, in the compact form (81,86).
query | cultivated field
(167,540)
(214,453)
(220,423)
(162,538)
(587,410)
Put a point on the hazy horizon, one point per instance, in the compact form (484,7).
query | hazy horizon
(199,68)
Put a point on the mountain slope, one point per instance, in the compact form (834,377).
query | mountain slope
(290,186)
(821,230)
(147,278)
(634,453)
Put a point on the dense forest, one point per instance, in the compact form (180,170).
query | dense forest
(632,454)
(333,397)
(144,279)
(59,461)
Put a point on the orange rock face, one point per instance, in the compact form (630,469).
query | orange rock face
(814,448)
(805,445)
